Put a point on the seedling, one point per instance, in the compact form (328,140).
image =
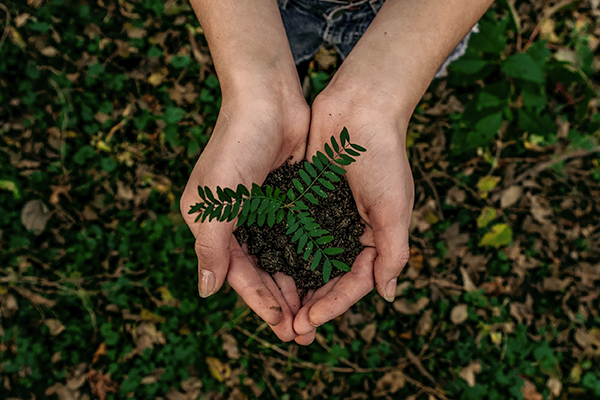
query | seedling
(271,206)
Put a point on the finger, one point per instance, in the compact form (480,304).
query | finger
(302,324)
(391,242)
(350,288)
(213,253)
(367,239)
(305,340)
(288,289)
(248,284)
(284,329)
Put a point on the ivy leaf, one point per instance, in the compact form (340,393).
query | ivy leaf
(499,235)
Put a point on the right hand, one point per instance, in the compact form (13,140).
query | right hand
(255,133)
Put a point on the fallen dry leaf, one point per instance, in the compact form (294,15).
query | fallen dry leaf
(555,386)
(55,326)
(404,307)
(368,332)
(101,384)
(100,351)
(220,371)
(230,346)
(389,383)
(459,314)
(34,216)
(510,196)
(425,324)
(530,392)
(468,373)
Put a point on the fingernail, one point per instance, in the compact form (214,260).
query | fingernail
(207,283)
(315,325)
(390,290)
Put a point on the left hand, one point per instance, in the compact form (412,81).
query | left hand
(382,185)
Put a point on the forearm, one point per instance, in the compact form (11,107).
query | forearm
(248,44)
(404,46)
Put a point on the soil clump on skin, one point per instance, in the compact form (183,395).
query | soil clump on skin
(276,253)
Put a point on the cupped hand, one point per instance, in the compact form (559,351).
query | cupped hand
(382,185)
(254,134)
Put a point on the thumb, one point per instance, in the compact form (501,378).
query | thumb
(393,252)
(212,248)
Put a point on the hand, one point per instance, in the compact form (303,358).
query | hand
(255,133)
(382,186)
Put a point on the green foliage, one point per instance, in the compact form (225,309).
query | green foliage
(271,206)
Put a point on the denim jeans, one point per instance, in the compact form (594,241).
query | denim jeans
(311,23)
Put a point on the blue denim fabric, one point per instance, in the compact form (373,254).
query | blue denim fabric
(311,23)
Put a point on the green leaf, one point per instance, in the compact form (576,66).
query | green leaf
(326,271)
(172,115)
(318,232)
(256,190)
(499,235)
(347,158)
(302,243)
(323,240)
(340,265)
(260,220)
(323,158)
(358,147)
(296,235)
(254,204)
(488,214)
(338,170)
(319,191)
(331,176)
(304,176)
(311,170)
(235,210)
(328,150)
(251,218)
(352,152)
(327,184)
(298,185)
(209,194)
(241,219)
(226,212)
(269,191)
(317,163)
(229,192)
(308,252)
(222,195)
(344,136)
(207,211)
(292,228)
(316,260)
(280,216)
(341,161)
(300,205)
(201,193)
(310,197)
(332,251)
(290,195)
(522,66)
(246,207)
(263,206)
(242,190)
(335,145)
(271,219)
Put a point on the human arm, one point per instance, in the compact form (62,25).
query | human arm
(262,123)
(373,94)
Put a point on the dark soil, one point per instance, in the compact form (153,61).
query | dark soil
(273,248)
